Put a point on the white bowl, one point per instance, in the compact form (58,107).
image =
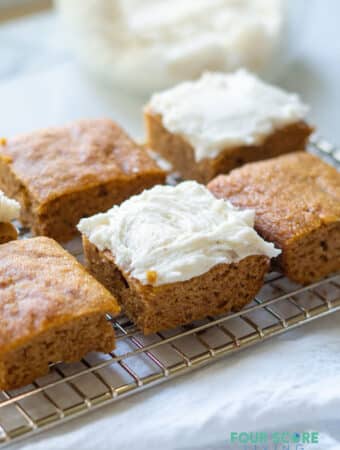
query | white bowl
(148,45)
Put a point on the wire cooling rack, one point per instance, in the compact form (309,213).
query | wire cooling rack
(138,362)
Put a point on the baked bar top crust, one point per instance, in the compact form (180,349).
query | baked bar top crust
(58,161)
(293,195)
(41,287)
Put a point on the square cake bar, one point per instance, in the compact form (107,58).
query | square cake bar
(60,175)
(297,202)
(222,121)
(172,255)
(51,310)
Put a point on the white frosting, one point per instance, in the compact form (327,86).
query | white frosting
(220,111)
(9,209)
(153,44)
(179,232)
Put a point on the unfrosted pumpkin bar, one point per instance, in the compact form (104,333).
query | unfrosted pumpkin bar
(51,310)
(222,121)
(172,255)
(9,211)
(60,175)
(297,202)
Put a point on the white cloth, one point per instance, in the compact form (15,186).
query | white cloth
(290,383)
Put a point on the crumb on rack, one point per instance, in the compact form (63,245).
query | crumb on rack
(151,276)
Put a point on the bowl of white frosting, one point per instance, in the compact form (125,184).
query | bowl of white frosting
(147,45)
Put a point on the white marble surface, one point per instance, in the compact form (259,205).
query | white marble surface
(287,384)
(30,45)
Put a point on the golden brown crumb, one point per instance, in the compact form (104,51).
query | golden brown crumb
(3,141)
(151,276)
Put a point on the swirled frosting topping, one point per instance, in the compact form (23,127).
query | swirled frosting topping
(169,234)
(9,209)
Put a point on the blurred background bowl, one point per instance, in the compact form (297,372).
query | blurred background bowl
(148,45)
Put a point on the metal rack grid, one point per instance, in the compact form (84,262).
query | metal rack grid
(138,362)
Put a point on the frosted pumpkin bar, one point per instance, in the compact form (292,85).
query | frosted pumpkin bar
(51,310)
(172,255)
(60,175)
(9,210)
(297,202)
(222,121)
